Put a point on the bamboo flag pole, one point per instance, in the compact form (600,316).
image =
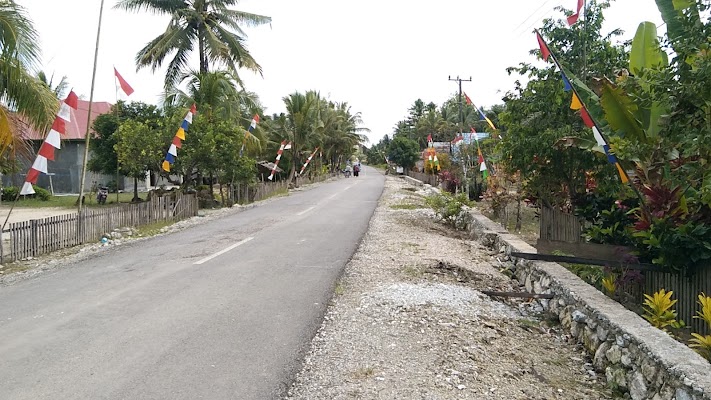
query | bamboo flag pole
(88,118)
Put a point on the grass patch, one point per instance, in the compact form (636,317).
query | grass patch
(405,206)
(412,272)
(70,201)
(528,323)
(8,269)
(153,229)
(364,373)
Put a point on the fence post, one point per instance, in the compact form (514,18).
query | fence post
(33,236)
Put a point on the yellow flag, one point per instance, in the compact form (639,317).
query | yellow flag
(181,133)
(575,104)
(166,166)
(623,175)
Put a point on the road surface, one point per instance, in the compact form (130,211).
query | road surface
(222,310)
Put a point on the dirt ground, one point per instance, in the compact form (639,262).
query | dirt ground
(409,321)
(27,213)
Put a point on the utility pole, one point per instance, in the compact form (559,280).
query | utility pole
(461,113)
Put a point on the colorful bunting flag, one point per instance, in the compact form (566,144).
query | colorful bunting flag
(255,121)
(566,83)
(467,99)
(545,53)
(278,157)
(308,160)
(577,104)
(122,82)
(429,141)
(46,151)
(485,118)
(574,18)
(177,140)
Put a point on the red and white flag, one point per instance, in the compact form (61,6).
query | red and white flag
(122,82)
(574,18)
(52,142)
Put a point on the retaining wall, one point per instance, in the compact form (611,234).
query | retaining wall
(634,356)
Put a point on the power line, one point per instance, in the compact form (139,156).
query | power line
(532,14)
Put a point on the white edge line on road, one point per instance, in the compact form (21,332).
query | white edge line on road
(223,251)
(306,210)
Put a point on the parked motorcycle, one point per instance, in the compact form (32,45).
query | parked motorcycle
(102,195)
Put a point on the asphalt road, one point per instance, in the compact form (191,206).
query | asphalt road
(221,310)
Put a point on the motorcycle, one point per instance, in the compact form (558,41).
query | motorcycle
(102,195)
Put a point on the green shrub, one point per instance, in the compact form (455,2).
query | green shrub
(447,206)
(42,194)
(9,193)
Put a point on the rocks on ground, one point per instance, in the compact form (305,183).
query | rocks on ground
(408,321)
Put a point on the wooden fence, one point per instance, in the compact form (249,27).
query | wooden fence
(425,178)
(563,231)
(40,236)
(246,193)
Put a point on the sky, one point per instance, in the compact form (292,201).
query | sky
(378,56)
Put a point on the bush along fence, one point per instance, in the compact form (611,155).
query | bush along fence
(40,236)
(563,231)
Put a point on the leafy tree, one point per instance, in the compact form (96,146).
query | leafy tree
(59,89)
(20,91)
(538,116)
(104,156)
(215,27)
(404,152)
(140,149)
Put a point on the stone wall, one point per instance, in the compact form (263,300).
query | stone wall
(634,356)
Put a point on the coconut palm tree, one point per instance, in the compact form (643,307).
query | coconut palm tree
(60,89)
(215,27)
(21,94)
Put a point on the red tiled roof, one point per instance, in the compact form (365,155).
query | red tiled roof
(76,129)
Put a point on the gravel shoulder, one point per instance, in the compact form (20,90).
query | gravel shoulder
(407,321)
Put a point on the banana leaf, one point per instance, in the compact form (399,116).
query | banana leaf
(621,112)
(646,51)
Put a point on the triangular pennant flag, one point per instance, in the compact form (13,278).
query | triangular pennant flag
(170,158)
(184,125)
(59,126)
(65,112)
(173,150)
(193,109)
(166,166)
(467,99)
(189,117)
(27,189)
(575,103)
(72,100)
(545,53)
(288,146)
(32,175)
(180,134)
(255,121)
(623,175)
(574,18)
(53,139)
(177,142)
(40,164)
(587,120)
(122,82)
(566,83)
(47,151)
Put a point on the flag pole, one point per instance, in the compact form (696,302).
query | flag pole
(117,117)
(88,118)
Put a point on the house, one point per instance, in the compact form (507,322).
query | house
(64,173)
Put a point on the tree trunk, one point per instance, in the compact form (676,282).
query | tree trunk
(222,195)
(135,190)
(201,42)
(212,188)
